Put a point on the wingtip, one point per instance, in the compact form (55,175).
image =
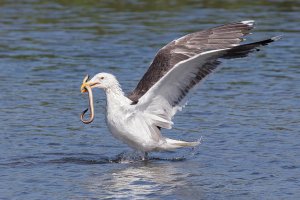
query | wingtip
(248,22)
(275,38)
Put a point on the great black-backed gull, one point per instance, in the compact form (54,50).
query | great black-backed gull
(137,118)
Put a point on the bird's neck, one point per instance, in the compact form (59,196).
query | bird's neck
(115,97)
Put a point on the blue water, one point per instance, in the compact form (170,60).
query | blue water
(247,114)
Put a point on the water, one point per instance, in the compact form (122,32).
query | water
(247,113)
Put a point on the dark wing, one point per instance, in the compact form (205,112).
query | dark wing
(221,37)
(168,95)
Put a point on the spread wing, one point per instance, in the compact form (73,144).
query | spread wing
(167,95)
(186,47)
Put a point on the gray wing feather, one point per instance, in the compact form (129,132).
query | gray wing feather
(220,37)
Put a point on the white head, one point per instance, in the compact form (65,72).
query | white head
(101,80)
(106,81)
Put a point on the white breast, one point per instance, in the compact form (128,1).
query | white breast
(121,122)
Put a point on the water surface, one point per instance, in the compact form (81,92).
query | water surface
(247,114)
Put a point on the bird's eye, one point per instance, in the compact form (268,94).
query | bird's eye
(102,77)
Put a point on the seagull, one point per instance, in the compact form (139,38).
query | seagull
(179,67)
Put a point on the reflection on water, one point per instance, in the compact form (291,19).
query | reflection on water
(137,181)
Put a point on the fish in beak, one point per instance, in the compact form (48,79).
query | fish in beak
(85,84)
(86,87)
